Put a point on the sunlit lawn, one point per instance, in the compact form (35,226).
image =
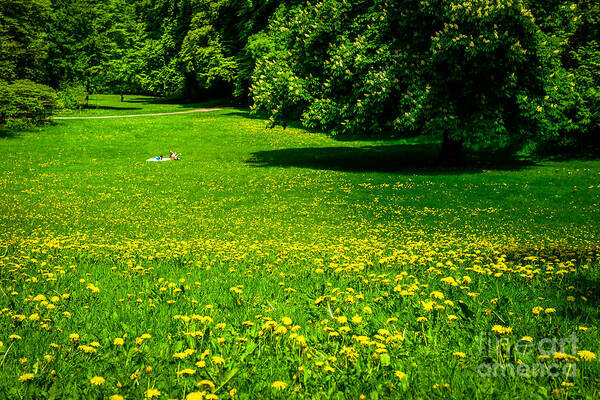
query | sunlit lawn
(281,263)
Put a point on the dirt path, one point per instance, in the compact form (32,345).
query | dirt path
(145,115)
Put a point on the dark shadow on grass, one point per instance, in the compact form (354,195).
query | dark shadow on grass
(398,158)
(585,282)
(93,107)
(7,133)
(184,103)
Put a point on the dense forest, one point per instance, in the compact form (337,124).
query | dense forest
(497,74)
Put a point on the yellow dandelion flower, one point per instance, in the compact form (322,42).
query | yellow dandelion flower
(279,385)
(186,371)
(150,393)
(195,396)
(286,321)
(116,397)
(87,349)
(357,319)
(97,380)
(501,330)
(400,375)
(218,360)
(586,355)
(206,383)
(92,288)
(537,310)
(459,354)
(26,377)
(119,342)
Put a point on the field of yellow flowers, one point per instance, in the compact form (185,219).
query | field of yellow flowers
(270,264)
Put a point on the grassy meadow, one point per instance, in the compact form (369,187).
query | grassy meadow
(280,263)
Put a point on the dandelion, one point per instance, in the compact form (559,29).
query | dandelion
(97,381)
(206,383)
(119,342)
(186,371)
(400,375)
(301,341)
(279,385)
(218,360)
(74,337)
(357,319)
(87,349)
(286,321)
(501,330)
(92,288)
(14,337)
(195,396)
(436,295)
(586,355)
(559,356)
(536,310)
(116,397)
(26,377)
(150,393)
(459,354)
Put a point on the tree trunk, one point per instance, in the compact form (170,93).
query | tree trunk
(121,97)
(451,152)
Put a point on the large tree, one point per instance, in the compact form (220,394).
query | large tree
(470,72)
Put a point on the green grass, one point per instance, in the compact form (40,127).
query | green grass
(262,224)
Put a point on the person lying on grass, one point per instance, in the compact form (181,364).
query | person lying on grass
(173,155)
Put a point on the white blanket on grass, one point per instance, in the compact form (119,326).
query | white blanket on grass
(158,159)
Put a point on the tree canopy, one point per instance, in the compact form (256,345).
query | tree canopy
(486,73)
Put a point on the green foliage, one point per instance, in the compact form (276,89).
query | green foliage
(24,43)
(490,75)
(353,68)
(72,97)
(24,103)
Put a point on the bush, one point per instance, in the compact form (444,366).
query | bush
(25,103)
(72,97)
